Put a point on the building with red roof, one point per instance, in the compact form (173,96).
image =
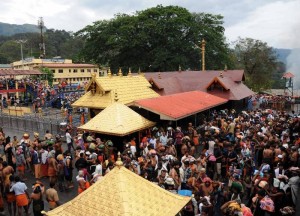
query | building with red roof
(181,105)
(227,84)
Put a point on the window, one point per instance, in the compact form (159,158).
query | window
(75,71)
(88,70)
(60,70)
(70,70)
(53,71)
(74,79)
(82,70)
(95,70)
(77,79)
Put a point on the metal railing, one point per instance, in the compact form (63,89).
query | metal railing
(50,119)
(30,123)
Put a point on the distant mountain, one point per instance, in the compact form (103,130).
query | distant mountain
(11,29)
(282,54)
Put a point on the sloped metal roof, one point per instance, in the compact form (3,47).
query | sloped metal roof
(178,106)
(12,72)
(122,193)
(117,119)
(288,75)
(167,83)
(128,89)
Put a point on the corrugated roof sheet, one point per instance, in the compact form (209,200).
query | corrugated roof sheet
(167,83)
(117,119)
(128,89)
(12,72)
(178,106)
(296,92)
(122,193)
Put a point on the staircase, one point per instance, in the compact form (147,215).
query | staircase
(31,91)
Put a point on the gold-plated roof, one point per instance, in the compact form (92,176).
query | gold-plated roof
(122,193)
(117,119)
(129,88)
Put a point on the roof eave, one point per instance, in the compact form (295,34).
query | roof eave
(164,116)
(118,134)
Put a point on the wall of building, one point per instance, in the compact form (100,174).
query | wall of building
(73,75)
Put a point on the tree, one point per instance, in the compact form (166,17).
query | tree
(58,43)
(9,51)
(54,40)
(47,75)
(156,39)
(258,60)
(71,48)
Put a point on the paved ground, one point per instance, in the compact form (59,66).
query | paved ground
(63,196)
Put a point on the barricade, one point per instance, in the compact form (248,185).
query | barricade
(30,123)
(36,122)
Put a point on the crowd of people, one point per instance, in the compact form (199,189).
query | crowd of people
(230,164)
(274,102)
(43,94)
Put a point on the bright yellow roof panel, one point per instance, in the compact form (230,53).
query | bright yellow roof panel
(117,119)
(128,89)
(123,193)
(97,101)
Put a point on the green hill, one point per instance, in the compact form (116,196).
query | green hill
(11,29)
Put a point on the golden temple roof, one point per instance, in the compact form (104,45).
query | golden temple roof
(122,193)
(117,119)
(129,89)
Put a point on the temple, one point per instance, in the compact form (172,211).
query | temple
(100,91)
(121,192)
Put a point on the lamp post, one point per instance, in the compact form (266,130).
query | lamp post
(203,43)
(21,42)
(41,26)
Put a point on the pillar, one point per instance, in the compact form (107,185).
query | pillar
(17,87)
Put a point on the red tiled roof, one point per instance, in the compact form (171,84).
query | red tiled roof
(12,72)
(288,75)
(167,83)
(68,65)
(178,106)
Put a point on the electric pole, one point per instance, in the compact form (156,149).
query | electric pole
(42,43)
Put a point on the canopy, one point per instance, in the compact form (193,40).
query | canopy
(122,193)
(178,106)
(12,72)
(117,119)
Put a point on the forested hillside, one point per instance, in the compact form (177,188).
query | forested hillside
(7,29)
(57,43)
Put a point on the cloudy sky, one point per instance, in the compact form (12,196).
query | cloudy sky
(276,22)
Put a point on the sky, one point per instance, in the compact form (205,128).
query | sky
(276,22)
